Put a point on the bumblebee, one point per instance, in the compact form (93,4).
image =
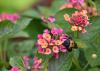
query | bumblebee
(70,44)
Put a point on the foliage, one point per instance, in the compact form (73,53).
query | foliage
(19,39)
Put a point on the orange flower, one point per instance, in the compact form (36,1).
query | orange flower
(58,42)
(48,51)
(66,6)
(74,28)
(66,17)
(47,36)
(43,43)
(55,49)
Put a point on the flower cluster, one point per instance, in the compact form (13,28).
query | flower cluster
(11,17)
(78,20)
(51,42)
(77,4)
(50,19)
(37,64)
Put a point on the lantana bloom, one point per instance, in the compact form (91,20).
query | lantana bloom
(11,17)
(37,64)
(78,21)
(50,19)
(51,42)
(77,4)
(15,69)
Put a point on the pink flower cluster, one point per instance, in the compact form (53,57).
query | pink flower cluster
(50,42)
(15,69)
(37,64)
(50,19)
(11,17)
(76,1)
(78,20)
(77,4)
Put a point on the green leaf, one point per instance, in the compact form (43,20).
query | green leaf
(89,54)
(35,27)
(31,13)
(64,62)
(94,69)
(10,29)
(92,30)
(21,48)
(16,61)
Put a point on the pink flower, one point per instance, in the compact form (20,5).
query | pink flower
(46,31)
(43,43)
(60,31)
(51,42)
(41,50)
(47,36)
(56,55)
(54,31)
(76,1)
(69,5)
(48,51)
(51,19)
(79,20)
(26,61)
(62,48)
(11,17)
(37,63)
(40,36)
(14,69)
(55,49)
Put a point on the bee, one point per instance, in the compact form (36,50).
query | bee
(70,44)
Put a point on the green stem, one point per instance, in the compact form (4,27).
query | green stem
(77,64)
(85,67)
(5,49)
(75,34)
(1,50)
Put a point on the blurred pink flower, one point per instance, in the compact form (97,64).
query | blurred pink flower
(76,1)
(51,19)
(11,17)
(26,61)
(14,69)
(37,63)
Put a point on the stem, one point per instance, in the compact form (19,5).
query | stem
(75,34)
(76,62)
(85,67)
(1,50)
(5,49)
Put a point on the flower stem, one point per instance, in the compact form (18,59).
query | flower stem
(5,49)
(84,68)
(1,50)
(75,34)
(76,62)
